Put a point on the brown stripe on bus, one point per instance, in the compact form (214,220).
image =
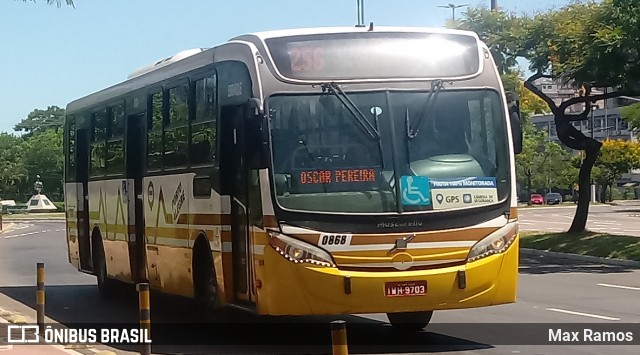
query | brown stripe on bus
(204,219)
(270,221)
(473,234)
(309,238)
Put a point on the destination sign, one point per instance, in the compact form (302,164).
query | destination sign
(332,180)
(375,55)
(337,176)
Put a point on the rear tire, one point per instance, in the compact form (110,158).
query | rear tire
(410,321)
(106,286)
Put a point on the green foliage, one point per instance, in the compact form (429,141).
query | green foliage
(57,2)
(43,156)
(585,243)
(37,153)
(12,170)
(500,30)
(543,164)
(59,206)
(616,158)
(631,114)
(41,120)
(586,41)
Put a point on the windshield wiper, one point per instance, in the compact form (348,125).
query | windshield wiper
(412,130)
(352,108)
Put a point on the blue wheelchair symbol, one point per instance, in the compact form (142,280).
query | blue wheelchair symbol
(415,190)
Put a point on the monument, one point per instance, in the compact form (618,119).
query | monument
(39,202)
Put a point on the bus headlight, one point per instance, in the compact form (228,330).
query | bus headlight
(298,251)
(496,242)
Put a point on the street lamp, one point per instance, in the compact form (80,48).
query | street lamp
(360,5)
(453,8)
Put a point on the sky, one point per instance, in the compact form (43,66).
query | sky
(51,56)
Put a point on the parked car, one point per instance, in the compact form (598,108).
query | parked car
(553,198)
(536,199)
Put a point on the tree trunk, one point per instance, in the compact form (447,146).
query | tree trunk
(584,182)
(528,189)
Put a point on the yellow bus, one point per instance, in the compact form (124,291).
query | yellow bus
(303,172)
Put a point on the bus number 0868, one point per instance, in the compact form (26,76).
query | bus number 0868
(334,239)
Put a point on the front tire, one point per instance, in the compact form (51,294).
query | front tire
(410,321)
(205,282)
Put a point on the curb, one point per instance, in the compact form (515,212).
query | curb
(31,219)
(577,257)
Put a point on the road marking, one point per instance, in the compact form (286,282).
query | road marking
(32,233)
(581,314)
(619,286)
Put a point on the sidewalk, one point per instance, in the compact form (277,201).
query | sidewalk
(12,313)
(20,349)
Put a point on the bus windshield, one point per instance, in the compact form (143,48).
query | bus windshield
(324,161)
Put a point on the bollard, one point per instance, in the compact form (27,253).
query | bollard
(40,296)
(145,315)
(339,338)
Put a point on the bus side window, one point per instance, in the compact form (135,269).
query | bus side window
(154,141)
(176,140)
(98,142)
(204,127)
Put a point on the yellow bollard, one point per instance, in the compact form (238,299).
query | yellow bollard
(145,315)
(40,296)
(339,337)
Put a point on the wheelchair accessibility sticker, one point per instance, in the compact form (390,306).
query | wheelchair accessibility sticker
(416,190)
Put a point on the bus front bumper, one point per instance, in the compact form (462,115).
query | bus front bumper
(302,289)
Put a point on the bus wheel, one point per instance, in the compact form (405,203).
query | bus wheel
(410,321)
(106,286)
(205,281)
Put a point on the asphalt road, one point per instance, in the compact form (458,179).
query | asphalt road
(551,292)
(602,218)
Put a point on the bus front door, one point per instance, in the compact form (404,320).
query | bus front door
(135,155)
(234,176)
(82,202)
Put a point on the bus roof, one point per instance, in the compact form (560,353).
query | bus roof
(192,59)
(320,30)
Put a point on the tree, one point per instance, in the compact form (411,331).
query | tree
(41,120)
(616,158)
(631,114)
(591,44)
(500,31)
(43,155)
(12,170)
(57,2)
(543,164)
(38,152)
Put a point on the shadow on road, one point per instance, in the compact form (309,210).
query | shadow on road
(176,321)
(542,264)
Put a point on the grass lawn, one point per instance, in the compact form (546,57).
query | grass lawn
(586,243)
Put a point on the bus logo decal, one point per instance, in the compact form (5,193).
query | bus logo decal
(401,243)
(150,194)
(177,201)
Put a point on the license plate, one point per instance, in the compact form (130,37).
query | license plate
(405,288)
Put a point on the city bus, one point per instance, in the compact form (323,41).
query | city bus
(303,172)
